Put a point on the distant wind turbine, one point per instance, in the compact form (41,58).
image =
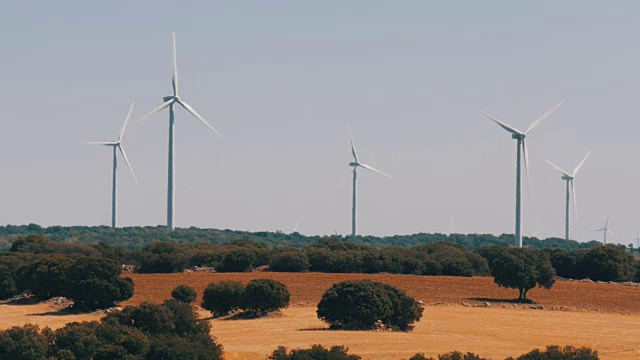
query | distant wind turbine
(605,230)
(571,189)
(356,163)
(116,145)
(170,101)
(522,148)
(295,228)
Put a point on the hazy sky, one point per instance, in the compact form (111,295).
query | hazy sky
(282,79)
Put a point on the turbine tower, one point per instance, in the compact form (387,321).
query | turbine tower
(521,150)
(605,230)
(117,145)
(169,102)
(355,164)
(571,190)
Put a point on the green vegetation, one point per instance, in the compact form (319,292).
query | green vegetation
(259,297)
(184,293)
(223,297)
(523,269)
(316,352)
(365,304)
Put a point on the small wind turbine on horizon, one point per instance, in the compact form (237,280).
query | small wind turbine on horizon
(169,102)
(355,164)
(605,230)
(521,150)
(116,145)
(571,190)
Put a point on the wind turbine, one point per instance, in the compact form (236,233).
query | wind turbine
(522,148)
(605,230)
(169,102)
(356,163)
(571,189)
(117,145)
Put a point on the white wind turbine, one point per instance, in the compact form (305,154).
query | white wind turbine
(170,101)
(356,163)
(522,148)
(117,145)
(571,190)
(605,230)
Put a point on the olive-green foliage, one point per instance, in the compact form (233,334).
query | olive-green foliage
(606,263)
(316,352)
(162,257)
(289,261)
(237,260)
(358,305)
(25,342)
(560,353)
(523,269)
(222,297)
(265,295)
(184,293)
(95,283)
(46,276)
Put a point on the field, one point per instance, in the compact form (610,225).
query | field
(467,314)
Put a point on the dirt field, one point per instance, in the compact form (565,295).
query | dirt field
(605,317)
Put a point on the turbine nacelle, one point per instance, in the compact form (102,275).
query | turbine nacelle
(565,177)
(354,164)
(518,136)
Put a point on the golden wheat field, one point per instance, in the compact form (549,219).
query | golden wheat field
(466,314)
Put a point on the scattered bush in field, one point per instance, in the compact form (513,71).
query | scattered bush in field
(457,355)
(265,295)
(316,352)
(289,261)
(358,305)
(184,293)
(237,260)
(222,297)
(95,283)
(46,277)
(606,263)
(557,353)
(523,269)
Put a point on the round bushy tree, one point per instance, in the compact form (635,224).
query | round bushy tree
(290,261)
(237,260)
(264,295)
(358,305)
(222,297)
(606,263)
(523,269)
(184,293)
(95,283)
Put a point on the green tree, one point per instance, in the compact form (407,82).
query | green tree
(265,295)
(523,269)
(607,263)
(557,353)
(95,283)
(220,298)
(25,342)
(358,305)
(46,277)
(316,352)
(289,261)
(184,293)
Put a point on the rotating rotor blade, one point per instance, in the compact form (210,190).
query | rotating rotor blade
(504,125)
(375,170)
(174,79)
(544,116)
(159,108)
(124,126)
(606,225)
(597,230)
(526,165)
(558,168)
(610,232)
(353,147)
(194,113)
(126,159)
(107,143)
(575,171)
(339,185)
(575,201)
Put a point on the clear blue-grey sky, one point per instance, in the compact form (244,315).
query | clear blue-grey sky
(281,80)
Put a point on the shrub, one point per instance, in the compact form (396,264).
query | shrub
(358,305)
(8,286)
(184,293)
(457,355)
(222,297)
(317,352)
(95,283)
(265,295)
(523,269)
(46,277)
(606,263)
(289,261)
(25,342)
(557,353)
(237,260)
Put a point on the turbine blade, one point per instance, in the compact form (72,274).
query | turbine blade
(526,165)
(504,125)
(353,147)
(544,116)
(126,159)
(375,170)
(124,126)
(575,201)
(295,228)
(558,168)
(607,223)
(108,143)
(610,232)
(339,185)
(159,108)
(174,79)
(194,113)
(575,171)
